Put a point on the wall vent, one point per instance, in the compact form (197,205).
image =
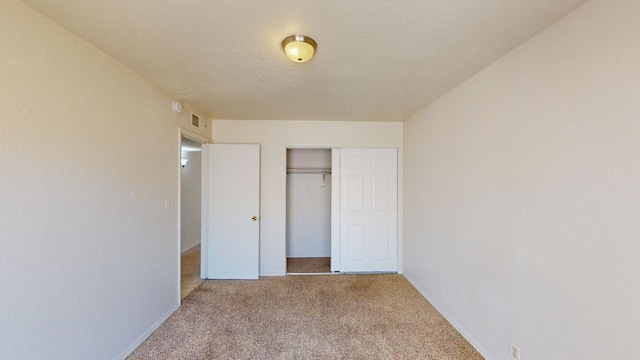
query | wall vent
(198,122)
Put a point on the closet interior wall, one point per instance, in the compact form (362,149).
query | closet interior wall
(308,203)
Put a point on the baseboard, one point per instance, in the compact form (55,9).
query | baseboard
(189,248)
(313,274)
(123,355)
(273,274)
(450,319)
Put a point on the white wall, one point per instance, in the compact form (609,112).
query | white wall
(522,215)
(318,159)
(190,189)
(308,215)
(88,153)
(309,204)
(274,137)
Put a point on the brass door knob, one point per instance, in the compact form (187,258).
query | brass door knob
(254,218)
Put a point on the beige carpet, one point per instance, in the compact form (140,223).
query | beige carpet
(309,265)
(306,317)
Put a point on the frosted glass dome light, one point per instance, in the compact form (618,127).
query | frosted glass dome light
(299,48)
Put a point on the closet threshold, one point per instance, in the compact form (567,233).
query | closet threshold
(309,171)
(311,274)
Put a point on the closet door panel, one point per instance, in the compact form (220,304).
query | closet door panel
(369,204)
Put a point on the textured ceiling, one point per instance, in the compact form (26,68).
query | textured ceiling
(377,60)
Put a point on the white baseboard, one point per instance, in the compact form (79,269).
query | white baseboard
(123,355)
(189,247)
(313,274)
(273,274)
(450,319)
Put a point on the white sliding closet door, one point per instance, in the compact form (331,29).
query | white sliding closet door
(232,196)
(369,210)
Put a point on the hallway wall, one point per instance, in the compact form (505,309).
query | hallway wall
(190,196)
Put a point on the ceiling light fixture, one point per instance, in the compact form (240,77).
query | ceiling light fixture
(299,48)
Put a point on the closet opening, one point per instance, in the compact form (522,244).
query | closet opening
(308,211)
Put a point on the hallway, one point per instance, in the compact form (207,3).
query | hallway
(189,271)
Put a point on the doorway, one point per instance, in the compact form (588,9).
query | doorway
(308,239)
(190,214)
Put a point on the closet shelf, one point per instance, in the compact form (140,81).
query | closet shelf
(309,171)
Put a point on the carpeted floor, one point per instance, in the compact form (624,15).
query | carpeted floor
(309,265)
(306,317)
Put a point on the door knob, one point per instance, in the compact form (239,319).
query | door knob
(254,218)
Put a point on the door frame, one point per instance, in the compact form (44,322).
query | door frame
(335,188)
(182,132)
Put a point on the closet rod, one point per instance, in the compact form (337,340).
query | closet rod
(308,171)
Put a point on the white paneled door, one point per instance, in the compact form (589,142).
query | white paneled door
(231,192)
(369,210)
